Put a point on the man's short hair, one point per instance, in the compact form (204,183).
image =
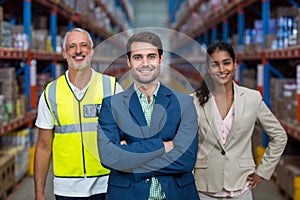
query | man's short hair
(147,37)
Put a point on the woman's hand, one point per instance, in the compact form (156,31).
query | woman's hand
(254,180)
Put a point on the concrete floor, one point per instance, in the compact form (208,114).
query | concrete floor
(25,190)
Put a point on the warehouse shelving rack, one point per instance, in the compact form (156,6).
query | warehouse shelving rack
(233,14)
(232,20)
(57,9)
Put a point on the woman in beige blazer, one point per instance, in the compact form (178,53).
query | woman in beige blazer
(227,114)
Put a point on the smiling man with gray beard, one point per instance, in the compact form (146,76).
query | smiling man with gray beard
(67,120)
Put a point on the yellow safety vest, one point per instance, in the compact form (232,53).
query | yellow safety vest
(75,149)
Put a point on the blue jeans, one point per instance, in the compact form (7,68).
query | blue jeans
(93,197)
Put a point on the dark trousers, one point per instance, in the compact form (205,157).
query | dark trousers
(93,197)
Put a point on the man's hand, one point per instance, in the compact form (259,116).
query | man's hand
(169,145)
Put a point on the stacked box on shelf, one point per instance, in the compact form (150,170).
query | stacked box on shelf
(287,171)
(21,162)
(284,98)
(286,26)
(271,41)
(69,3)
(249,36)
(35,135)
(298,27)
(21,83)
(6,34)
(102,18)
(40,33)
(21,105)
(40,22)
(42,80)
(272,36)
(56,1)
(15,138)
(7,179)
(8,89)
(39,39)
(3,118)
(17,144)
(21,155)
(19,38)
(197,18)
(254,38)
(234,42)
(249,79)
(1,13)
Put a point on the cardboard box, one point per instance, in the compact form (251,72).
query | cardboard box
(5,34)
(6,174)
(56,1)
(8,73)
(39,39)
(284,98)
(271,39)
(21,105)
(280,11)
(287,170)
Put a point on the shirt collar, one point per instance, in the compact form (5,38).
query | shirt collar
(139,93)
(73,87)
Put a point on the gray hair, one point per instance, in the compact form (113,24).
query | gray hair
(77,30)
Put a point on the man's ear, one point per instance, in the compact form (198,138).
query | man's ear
(128,62)
(92,52)
(161,58)
(64,54)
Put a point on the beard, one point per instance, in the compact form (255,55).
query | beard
(79,66)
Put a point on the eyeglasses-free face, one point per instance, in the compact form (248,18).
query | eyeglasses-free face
(78,52)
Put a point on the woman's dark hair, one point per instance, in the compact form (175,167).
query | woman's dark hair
(206,84)
(148,37)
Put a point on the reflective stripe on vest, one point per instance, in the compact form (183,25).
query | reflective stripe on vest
(107,91)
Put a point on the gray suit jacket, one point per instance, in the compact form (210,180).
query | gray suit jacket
(227,166)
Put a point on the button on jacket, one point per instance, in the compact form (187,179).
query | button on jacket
(133,165)
(227,165)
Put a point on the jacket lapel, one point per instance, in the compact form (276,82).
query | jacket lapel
(209,115)
(132,102)
(239,101)
(159,113)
